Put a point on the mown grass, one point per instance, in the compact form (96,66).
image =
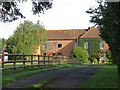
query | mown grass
(9,76)
(42,83)
(7,65)
(105,77)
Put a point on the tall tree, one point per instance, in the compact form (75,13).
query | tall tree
(10,11)
(107,18)
(27,38)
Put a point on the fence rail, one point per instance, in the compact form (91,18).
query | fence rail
(35,60)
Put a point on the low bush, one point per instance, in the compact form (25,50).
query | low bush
(95,61)
(82,54)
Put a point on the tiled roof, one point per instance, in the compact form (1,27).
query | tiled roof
(73,33)
(92,33)
(65,34)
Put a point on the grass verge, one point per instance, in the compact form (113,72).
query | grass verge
(42,83)
(105,77)
(9,76)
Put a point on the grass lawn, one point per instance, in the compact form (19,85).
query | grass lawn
(9,76)
(105,77)
(7,65)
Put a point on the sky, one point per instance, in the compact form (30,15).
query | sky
(64,14)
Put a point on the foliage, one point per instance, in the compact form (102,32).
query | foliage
(94,44)
(107,18)
(82,54)
(95,60)
(10,10)
(108,55)
(2,42)
(27,38)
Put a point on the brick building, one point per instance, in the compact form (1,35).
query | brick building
(61,42)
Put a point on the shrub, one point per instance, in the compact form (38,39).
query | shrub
(108,55)
(82,54)
(95,60)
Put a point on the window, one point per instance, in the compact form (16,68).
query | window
(59,45)
(53,54)
(60,54)
(44,53)
(102,45)
(76,44)
(86,45)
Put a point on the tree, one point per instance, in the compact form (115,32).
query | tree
(10,11)
(107,18)
(27,38)
(82,54)
(2,42)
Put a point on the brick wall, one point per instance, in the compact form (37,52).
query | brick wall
(106,46)
(52,47)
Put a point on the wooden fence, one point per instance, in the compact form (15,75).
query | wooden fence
(36,60)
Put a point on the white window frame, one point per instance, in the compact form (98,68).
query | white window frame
(86,45)
(102,45)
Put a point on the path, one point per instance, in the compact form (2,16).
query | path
(68,77)
(73,78)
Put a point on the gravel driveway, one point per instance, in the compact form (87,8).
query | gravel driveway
(66,77)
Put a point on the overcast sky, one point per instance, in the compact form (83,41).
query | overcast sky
(65,14)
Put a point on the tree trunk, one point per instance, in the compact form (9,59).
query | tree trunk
(119,68)
(118,75)
(119,72)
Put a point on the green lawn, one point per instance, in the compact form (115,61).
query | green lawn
(105,77)
(7,65)
(12,75)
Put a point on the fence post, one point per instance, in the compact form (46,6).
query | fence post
(44,60)
(31,60)
(56,61)
(2,63)
(60,60)
(48,61)
(14,64)
(63,60)
(38,61)
(24,61)
(52,59)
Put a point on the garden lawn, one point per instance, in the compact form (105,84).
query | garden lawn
(105,77)
(9,76)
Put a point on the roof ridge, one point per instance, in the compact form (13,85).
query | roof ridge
(66,29)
